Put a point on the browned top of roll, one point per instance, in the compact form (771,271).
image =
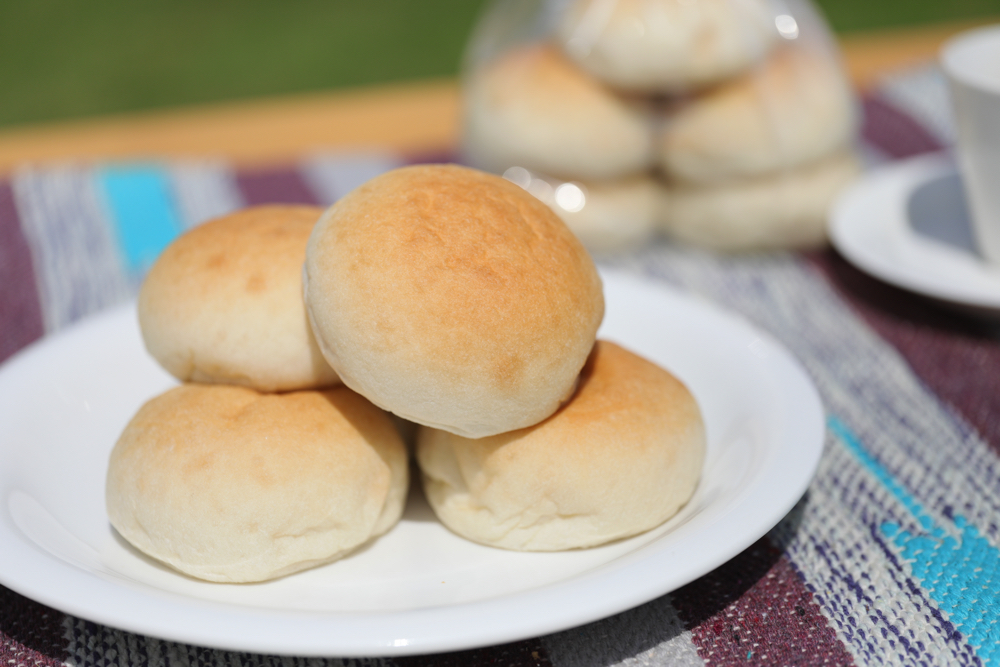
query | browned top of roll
(452,298)
(223,303)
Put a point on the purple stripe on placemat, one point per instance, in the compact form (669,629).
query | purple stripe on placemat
(30,633)
(284,185)
(957,356)
(439,157)
(20,309)
(893,131)
(755,609)
(529,653)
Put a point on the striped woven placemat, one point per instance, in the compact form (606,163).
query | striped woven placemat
(890,558)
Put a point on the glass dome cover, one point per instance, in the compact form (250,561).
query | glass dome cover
(724,123)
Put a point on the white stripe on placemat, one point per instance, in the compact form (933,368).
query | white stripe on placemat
(204,190)
(868,385)
(862,378)
(332,175)
(76,257)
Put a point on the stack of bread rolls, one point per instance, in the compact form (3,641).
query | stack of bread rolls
(444,296)
(261,463)
(723,123)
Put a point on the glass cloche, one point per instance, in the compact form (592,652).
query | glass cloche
(728,124)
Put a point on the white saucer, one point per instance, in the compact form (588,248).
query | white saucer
(907,224)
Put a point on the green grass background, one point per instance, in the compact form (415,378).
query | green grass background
(64,59)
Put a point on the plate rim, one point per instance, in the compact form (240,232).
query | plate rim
(880,197)
(256,630)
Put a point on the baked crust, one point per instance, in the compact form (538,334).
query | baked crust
(452,298)
(228,484)
(621,457)
(223,303)
(534,108)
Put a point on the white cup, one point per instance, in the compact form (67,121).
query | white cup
(971,62)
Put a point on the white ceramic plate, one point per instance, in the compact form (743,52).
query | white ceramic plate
(418,589)
(872,225)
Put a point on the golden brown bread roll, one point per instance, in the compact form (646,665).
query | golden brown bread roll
(621,457)
(452,298)
(223,303)
(227,484)
(533,108)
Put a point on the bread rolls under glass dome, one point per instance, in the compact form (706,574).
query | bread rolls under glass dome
(726,124)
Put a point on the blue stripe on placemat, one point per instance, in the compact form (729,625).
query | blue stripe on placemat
(961,574)
(142,210)
(838,547)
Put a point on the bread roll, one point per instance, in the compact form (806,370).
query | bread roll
(605,215)
(535,109)
(666,46)
(784,210)
(452,298)
(795,109)
(620,458)
(227,484)
(616,214)
(223,303)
